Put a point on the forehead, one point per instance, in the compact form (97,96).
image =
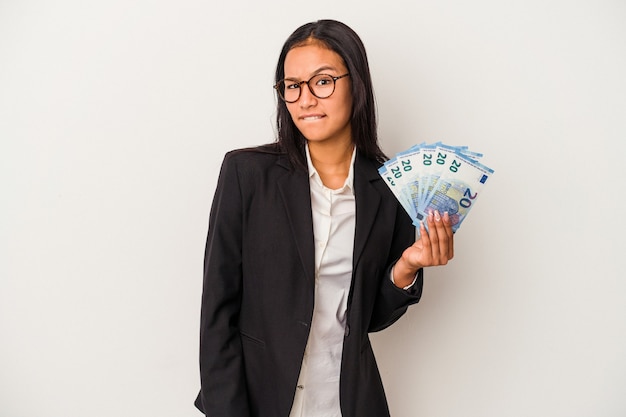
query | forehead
(306,60)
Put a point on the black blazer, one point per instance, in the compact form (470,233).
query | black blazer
(257,300)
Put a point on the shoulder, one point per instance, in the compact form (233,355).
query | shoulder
(268,154)
(256,164)
(366,169)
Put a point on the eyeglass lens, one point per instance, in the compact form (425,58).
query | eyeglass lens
(321,85)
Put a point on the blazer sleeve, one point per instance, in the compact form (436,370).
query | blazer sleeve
(392,302)
(223,390)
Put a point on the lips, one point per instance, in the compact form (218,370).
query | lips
(311,117)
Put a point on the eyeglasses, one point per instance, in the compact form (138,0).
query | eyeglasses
(320,85)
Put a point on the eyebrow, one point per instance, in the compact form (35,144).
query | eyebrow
(317,71)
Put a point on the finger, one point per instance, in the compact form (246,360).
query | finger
(433,236)
(424,239)
(448,228)
(440,252)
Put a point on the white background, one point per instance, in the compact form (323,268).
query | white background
(115,116)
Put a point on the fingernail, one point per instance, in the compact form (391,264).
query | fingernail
(437,216)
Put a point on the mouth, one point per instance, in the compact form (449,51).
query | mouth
(312,117)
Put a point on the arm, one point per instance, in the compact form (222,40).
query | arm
(223,386)
(432,249)
(392,300)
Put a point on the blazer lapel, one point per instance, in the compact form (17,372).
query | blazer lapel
(294,190)
(367,202)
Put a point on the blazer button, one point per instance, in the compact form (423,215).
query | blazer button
(347,332)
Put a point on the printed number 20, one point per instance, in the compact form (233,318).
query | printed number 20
(466,201)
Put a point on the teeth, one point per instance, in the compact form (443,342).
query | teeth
(312,118)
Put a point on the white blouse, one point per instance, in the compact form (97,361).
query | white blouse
(317,394)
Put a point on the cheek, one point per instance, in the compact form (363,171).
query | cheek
(346,104)
(290,109)
(345,109)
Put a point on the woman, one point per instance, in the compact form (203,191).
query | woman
(308,250)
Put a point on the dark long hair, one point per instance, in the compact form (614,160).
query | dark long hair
(341,39)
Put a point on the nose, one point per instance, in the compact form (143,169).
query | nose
(307,99)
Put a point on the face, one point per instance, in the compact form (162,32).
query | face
(320,119)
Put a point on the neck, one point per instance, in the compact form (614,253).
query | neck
(332,161)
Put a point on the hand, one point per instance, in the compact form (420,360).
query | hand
(431,249)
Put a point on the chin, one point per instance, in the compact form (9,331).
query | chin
(313,136)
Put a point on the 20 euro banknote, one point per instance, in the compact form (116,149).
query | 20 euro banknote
(429,177)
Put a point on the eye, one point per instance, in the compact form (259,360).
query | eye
(324,80)
(291,85)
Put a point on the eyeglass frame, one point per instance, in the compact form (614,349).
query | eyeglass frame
(299,84)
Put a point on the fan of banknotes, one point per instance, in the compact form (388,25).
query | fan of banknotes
(436,176)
